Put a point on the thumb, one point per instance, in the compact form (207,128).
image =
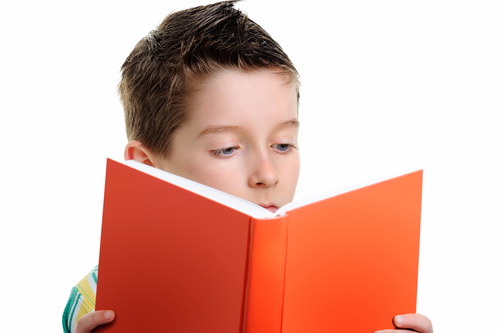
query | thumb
(414,321)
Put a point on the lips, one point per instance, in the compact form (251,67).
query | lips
(270,208)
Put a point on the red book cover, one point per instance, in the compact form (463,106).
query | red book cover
(172,260)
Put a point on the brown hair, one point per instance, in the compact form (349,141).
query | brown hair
(166,66)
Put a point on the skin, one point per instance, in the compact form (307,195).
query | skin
(241,138)
(413,322)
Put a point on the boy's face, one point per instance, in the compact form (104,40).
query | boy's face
(241,137)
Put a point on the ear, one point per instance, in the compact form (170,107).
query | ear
(135,150)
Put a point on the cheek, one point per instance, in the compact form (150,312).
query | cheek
(290,177)
(295,179)
(220,174)
(294,166)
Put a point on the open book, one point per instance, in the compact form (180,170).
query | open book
(178,256)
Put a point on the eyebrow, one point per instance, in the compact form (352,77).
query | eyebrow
(217,129)
(221,128)
(293,122)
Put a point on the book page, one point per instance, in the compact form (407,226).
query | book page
(328,194)
(239,204)
(224,198)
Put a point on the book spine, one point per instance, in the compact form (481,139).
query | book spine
(265,275)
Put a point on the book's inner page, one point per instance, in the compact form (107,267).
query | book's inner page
(328,194)
(224,198)
(239,204)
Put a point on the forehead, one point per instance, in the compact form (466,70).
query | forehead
(245,97)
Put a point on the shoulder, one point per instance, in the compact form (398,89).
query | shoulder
(81,300)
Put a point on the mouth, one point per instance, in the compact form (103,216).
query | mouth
(270,208)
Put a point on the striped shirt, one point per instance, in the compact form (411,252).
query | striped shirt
(81,301)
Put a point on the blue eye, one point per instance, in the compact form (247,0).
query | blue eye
(282,147)
(224,152)
(227,151)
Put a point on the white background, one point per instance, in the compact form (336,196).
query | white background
(387,87)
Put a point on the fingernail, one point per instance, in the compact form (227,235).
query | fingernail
(398,320)
(108,314)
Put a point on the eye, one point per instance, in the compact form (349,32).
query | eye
(224,152)
(283,147)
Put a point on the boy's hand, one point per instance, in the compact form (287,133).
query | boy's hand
(411,323)
(93,319)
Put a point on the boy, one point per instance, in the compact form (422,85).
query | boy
(210,96)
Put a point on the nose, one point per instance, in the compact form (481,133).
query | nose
(264,173)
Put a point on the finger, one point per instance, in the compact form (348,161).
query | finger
(395,331)
(93,319)
(414,321)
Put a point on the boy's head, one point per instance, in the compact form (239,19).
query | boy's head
(198,80)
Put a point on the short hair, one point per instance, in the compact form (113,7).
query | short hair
(167,66)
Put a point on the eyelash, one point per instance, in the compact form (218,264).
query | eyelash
(288,146)
(220,153)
